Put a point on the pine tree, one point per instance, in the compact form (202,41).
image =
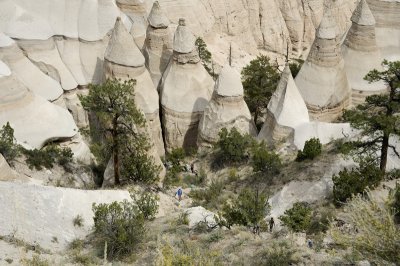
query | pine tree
(119,127)
(378,118)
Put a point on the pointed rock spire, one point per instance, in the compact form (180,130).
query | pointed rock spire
(184,40)
(122,49)
(157,18)
(285,112)
(286,104)
(362,15)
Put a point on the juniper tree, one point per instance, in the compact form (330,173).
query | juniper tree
(378,118)
(205,56)
(260,79)
(8,146)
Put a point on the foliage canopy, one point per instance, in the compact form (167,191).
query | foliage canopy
(260,79)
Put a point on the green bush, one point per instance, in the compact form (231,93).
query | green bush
(8,147)
(183,219)
(320,222)
(35,261)
(297,218)
(48,156)
(147,203)
(312,148)
(210,196)
(278,254)
(121,225)
(232,147)
(248,209)
(396,202)
(265,161)
(355,181)
(188,256)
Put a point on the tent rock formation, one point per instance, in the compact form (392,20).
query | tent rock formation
(322,80)
(226,109)
(185,91)
(361,54)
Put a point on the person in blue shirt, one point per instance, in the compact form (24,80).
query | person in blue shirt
(179,192)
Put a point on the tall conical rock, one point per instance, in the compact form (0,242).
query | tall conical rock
(322,80)
(286,110)
(158,45)
(185,92)
(136,11)
(226,109)
(361,54)
(387,14)
(124,60)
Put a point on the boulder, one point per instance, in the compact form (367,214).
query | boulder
(158,44)
(285,111)
(35,121)
(361,54)
(39,214)
(322,80)
(123,60)
(186,89)
(200,214)
(226,109)
(305,191)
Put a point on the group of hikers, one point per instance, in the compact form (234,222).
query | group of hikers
(271,223)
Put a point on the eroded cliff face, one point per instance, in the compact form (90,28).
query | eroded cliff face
(258,25)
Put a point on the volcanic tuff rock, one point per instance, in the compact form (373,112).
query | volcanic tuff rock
(30,75)
(226,109)
(185,91)
(136,11)
(38,214)
(124,60)
(361,54)
(387,13)
(35,120)
(286,110)
(6,173)
(322,80)
(158,45)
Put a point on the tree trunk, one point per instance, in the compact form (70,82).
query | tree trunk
(384,152)
(115,152)
(256,116)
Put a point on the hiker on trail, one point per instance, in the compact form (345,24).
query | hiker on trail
(179,192)
(271,224)
(256,229)
(309,243)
